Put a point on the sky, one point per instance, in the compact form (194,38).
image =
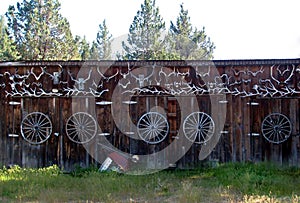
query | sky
(240,29)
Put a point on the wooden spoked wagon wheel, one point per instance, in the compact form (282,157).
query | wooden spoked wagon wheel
(36,128)
(276,128)
(81,127)
(153,127)
(198,127)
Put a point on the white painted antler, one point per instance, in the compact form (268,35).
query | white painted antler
(254,74)
(124,75)
(291,74)
(37,77)
(202,74)
(104,77)
(271,74)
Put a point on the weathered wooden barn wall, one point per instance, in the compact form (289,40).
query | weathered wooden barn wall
(54,103)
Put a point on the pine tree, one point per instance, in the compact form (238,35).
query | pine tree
(83,47)
(40,31)
(101,48)
(94,51)
(104,41)
(8,51)
(145,39)
(188,42)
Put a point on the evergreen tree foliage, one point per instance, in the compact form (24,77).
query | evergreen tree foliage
(188,42)
(37,31)
(101,48)
(83,47)
(146,34)
(94,51)
(40,31)
(8,51)
(104,41)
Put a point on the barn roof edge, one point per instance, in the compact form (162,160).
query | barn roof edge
(232,62)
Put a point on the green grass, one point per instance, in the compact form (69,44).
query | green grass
(246,182)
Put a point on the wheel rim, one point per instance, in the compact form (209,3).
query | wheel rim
(153,127)
(198,127)
(276,128)
(81,127)
(36,128)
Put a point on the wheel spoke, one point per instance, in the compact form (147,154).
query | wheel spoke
(71,133)
(196,119)
(147,136)
(29,134)
(142,125)
(43,131)
(87,133)
(76,120)
(41,120)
